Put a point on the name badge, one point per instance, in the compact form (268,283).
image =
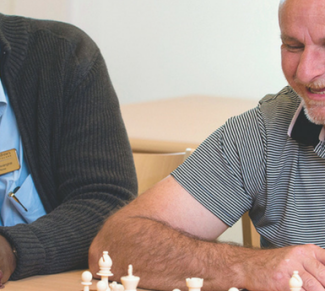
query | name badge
(9,162)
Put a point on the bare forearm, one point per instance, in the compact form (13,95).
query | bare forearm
(164,257)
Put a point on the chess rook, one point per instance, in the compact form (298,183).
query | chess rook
(194,284)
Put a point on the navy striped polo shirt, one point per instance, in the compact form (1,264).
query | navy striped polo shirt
(252,164)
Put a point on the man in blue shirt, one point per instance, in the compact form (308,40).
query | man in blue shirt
(65,160)
(19,200)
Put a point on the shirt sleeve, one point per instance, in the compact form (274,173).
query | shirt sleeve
(227,170)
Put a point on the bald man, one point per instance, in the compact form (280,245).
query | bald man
(268,161)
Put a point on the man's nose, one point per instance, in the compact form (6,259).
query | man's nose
(311,65)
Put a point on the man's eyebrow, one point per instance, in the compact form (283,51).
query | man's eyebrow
(286,38)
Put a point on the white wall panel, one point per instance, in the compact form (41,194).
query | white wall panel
(160,49)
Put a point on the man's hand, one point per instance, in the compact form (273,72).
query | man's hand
(271,269)
(7,260)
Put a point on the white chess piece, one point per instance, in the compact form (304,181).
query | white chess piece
(194,284)
(116,286)
(295,282)
(101,285)
(86,278)
(105,264)
(130,282)
(233,289)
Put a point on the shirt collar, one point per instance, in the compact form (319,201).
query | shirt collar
(304,131)
(3,100)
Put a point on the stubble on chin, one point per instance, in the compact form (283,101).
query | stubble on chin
(314,111)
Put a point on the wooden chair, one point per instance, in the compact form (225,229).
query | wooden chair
(251,238)
(153,167)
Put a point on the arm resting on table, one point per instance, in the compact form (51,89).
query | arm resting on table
(168,236)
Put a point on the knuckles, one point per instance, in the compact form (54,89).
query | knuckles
(309,283)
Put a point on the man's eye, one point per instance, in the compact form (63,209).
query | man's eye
(293,48)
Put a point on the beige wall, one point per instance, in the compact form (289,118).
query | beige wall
(7,6)
(45,9)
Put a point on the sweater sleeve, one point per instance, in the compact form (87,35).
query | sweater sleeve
(85,171)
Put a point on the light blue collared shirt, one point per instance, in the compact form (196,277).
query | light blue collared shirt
(11,213)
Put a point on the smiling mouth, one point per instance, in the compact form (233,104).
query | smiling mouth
(316,91)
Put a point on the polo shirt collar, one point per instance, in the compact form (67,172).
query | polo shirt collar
(304,131)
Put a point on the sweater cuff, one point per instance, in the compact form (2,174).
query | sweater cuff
(30,254)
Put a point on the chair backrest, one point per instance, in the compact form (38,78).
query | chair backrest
(153,167)
(251,237)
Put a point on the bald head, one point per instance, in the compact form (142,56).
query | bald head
(308,8)
(281,5)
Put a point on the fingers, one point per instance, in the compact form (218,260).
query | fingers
(319,254)
(311,283)
(308,261)
(314,275)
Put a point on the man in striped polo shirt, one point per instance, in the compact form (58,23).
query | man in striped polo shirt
(269,161)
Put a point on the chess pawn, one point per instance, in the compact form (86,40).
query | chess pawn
(101,285)
(233,289)
(86,278)
(194,284)
(114,286)
(130,282)
(295,282)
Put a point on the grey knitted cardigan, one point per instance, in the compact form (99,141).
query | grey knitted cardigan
(73,137)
